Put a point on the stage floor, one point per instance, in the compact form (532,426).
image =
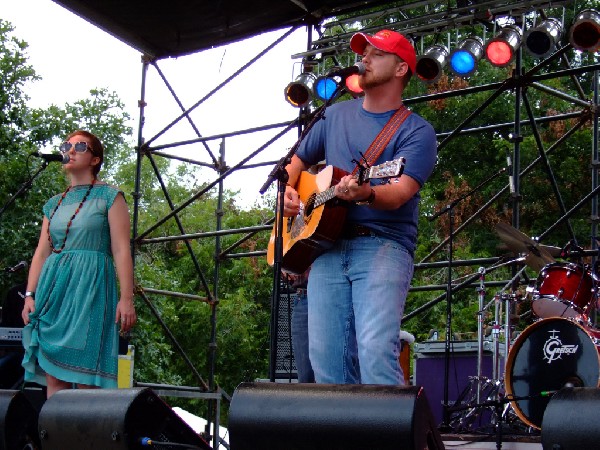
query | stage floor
(481,442)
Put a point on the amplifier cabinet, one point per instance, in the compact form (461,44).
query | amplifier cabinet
(429,370)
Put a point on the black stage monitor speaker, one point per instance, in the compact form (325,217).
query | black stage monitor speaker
(571,420)
(277,416)
(106,419)
(18,422)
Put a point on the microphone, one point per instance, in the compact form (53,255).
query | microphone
(49,157)
(19,266)
(358,68)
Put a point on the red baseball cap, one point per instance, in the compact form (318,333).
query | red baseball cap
(387,41)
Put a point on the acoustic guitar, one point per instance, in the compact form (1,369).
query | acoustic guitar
(320,220)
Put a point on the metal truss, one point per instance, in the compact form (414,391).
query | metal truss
(436,18)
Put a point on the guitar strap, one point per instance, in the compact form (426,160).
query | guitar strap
(384,137)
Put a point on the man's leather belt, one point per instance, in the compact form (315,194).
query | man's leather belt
(353,230)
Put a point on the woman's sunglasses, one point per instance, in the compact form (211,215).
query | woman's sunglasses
(80,147)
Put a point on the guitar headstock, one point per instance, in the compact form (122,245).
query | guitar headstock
(388,169)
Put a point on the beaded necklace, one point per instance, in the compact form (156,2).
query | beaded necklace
(58,250)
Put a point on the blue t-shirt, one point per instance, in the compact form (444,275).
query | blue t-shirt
(347,130)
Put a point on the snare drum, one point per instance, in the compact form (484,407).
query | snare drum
(563,290)
(547,356)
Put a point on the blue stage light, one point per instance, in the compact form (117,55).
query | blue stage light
(325,88)
(465,57)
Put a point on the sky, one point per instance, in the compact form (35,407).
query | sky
(58,39)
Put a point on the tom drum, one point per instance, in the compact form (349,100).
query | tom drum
(563,290)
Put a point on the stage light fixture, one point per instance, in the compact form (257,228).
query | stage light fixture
(466,55)
(540,41)
(431,63)
(501,50)
(326,88)
(299,92)
(584,34)
(352,85)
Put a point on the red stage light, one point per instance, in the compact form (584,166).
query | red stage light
(501,50)
(352,84)
(499,53)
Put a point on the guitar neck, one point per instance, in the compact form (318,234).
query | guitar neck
(386,170)
(323,197)
(329,193)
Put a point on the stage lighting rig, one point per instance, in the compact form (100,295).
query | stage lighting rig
(465,57)
(431,63)
(541,40)
(501,50)
(584,34)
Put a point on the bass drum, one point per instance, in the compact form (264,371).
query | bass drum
(547,356)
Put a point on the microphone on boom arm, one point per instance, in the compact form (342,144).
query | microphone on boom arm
(358,68)
(50,157)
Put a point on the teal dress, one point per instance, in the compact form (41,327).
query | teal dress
(72,333)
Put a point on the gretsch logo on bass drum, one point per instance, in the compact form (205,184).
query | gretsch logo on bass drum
(554,348)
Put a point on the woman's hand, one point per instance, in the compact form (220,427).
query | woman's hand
(126,315)
(28,308)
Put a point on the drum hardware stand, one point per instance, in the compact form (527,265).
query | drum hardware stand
(468,404)
(507,322)
(449,209)
(496,324)
(498,402)
(479,386)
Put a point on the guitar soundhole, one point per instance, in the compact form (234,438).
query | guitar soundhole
(309,206)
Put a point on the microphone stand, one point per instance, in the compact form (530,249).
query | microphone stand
(449,209)
(24,187)
(280,174)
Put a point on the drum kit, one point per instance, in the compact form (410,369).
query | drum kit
(561,348)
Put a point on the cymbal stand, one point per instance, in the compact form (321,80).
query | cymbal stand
(497,325)
(507,322)
(496,336)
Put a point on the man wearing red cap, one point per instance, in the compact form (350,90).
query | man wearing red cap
(357,289)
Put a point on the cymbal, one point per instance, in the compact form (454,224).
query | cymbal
(536,255)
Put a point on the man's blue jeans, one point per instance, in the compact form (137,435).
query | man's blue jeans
(356,297)
(300,338)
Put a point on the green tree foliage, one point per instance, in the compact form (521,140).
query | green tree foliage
(24,130)
(243,296)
